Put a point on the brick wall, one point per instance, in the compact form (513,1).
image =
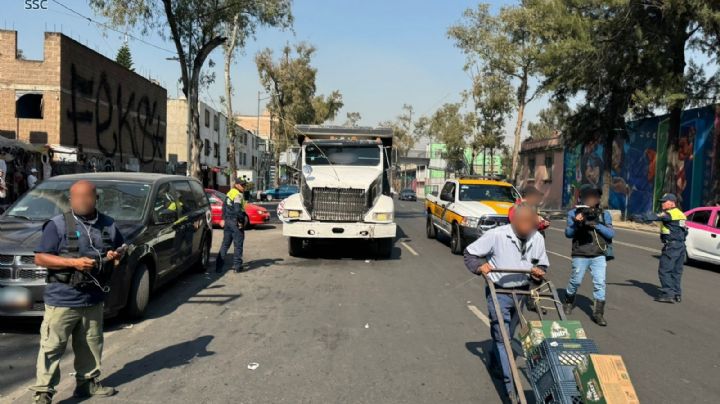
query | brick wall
(116,117)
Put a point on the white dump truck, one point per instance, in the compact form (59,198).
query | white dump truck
(344,188)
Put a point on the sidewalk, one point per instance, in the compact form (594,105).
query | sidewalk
(649,228)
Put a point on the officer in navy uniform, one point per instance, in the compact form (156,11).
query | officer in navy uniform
(234,218)
(79,249)
(672,234)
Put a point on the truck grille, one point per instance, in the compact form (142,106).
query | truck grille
(5,273)
(338,204)
(7,259)
(490,222)
(33,274)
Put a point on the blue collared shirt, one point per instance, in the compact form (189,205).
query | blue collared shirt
(502,249)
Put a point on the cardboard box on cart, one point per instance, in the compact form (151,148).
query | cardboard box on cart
(604,379)
(536,332)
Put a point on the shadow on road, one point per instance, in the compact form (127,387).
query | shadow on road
(166,358)
(484,350)
(649,288)
(262,263)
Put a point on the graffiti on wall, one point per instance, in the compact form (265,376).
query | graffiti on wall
(643,166)
(116,116)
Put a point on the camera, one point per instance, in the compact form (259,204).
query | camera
(591,214)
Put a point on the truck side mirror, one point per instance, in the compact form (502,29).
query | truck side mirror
(434,193)
(446,197)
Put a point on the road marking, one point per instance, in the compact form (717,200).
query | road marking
(639,247)
(413,252)
(559,255)
(479,314)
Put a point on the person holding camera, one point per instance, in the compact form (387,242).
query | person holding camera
(591,231)
(80,249)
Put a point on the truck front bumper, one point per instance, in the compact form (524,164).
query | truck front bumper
(470,234)
(359,230)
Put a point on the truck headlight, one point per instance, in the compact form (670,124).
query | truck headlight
(471,221)
(383,216)
(292,214)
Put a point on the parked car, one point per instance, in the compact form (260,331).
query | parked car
(281,192)
(407,195)
(165,219)
(256,214)
(703,240)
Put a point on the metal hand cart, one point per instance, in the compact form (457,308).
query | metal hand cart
(538,294)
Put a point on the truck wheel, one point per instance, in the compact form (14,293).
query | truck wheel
(295,246)
(384,247)
(456,242)
(139,294)
(430,230)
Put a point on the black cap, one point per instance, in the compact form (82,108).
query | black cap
(587,190)
(668,197)
(240,181)
(530,190)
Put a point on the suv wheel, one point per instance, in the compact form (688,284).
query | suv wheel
(430,229)
(456,242)
(204,261)
(139,295)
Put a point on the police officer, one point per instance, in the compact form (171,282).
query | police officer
(233,227)
(591,237)
(672,233)
(518,246)
(73,246)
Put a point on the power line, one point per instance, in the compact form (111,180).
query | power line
(90,19)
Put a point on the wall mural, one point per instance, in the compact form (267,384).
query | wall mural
(644,166)
(114,121)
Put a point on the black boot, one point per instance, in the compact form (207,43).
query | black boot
(568,304)
(599,312)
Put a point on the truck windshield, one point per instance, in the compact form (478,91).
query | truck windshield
(123,201)
(342,155)
(486,192)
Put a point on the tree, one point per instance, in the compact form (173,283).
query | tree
(232,32)
(504,44)
(448,125)
(552,121)
(290,81)
(402,127)
(124,58)
(196,29)
(352,119)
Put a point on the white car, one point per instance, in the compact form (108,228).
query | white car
(703,240)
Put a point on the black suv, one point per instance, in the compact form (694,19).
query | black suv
(165,220)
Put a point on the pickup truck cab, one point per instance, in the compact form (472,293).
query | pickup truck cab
(467,207)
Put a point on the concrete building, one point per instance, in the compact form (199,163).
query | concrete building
(437,172)
(93,113)
(541,165)
(261,126)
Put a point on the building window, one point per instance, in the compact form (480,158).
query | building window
(216,122)
(216,149)
(29,105)
(549,167)
(531,167)
(207,118)
(227,154)
(207,147)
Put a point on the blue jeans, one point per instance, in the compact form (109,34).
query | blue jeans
(597,267)
(231,234)
(511,319)
(671,268)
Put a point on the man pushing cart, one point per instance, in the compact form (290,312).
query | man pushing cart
(521,247)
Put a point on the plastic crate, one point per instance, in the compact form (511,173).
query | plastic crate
(550,369)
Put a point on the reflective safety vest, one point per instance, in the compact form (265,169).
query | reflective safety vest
(232,209)
(672,225)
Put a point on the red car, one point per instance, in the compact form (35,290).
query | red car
(256,214)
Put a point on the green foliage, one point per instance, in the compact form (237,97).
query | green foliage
(402,127)
(552,121)
(352,119)
(448,125)
(124,58)
(290,81)
(492,99)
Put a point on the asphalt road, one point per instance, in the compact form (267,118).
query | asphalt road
(342,327)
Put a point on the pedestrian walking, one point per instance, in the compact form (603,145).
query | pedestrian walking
(518,246)
(75,245)
(32,178)
(591,231)
(234,218)
(673,233)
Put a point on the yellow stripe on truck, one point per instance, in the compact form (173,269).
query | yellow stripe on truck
(500,208)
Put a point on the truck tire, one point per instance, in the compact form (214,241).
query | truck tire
(295,246)
(456,241)
(430,229)
(384,247)
(139,294)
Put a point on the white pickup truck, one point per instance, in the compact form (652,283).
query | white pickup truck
(467,207)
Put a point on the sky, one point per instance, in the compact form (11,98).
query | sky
(380,54)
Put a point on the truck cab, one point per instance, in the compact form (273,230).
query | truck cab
(467,207)
(344,188)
